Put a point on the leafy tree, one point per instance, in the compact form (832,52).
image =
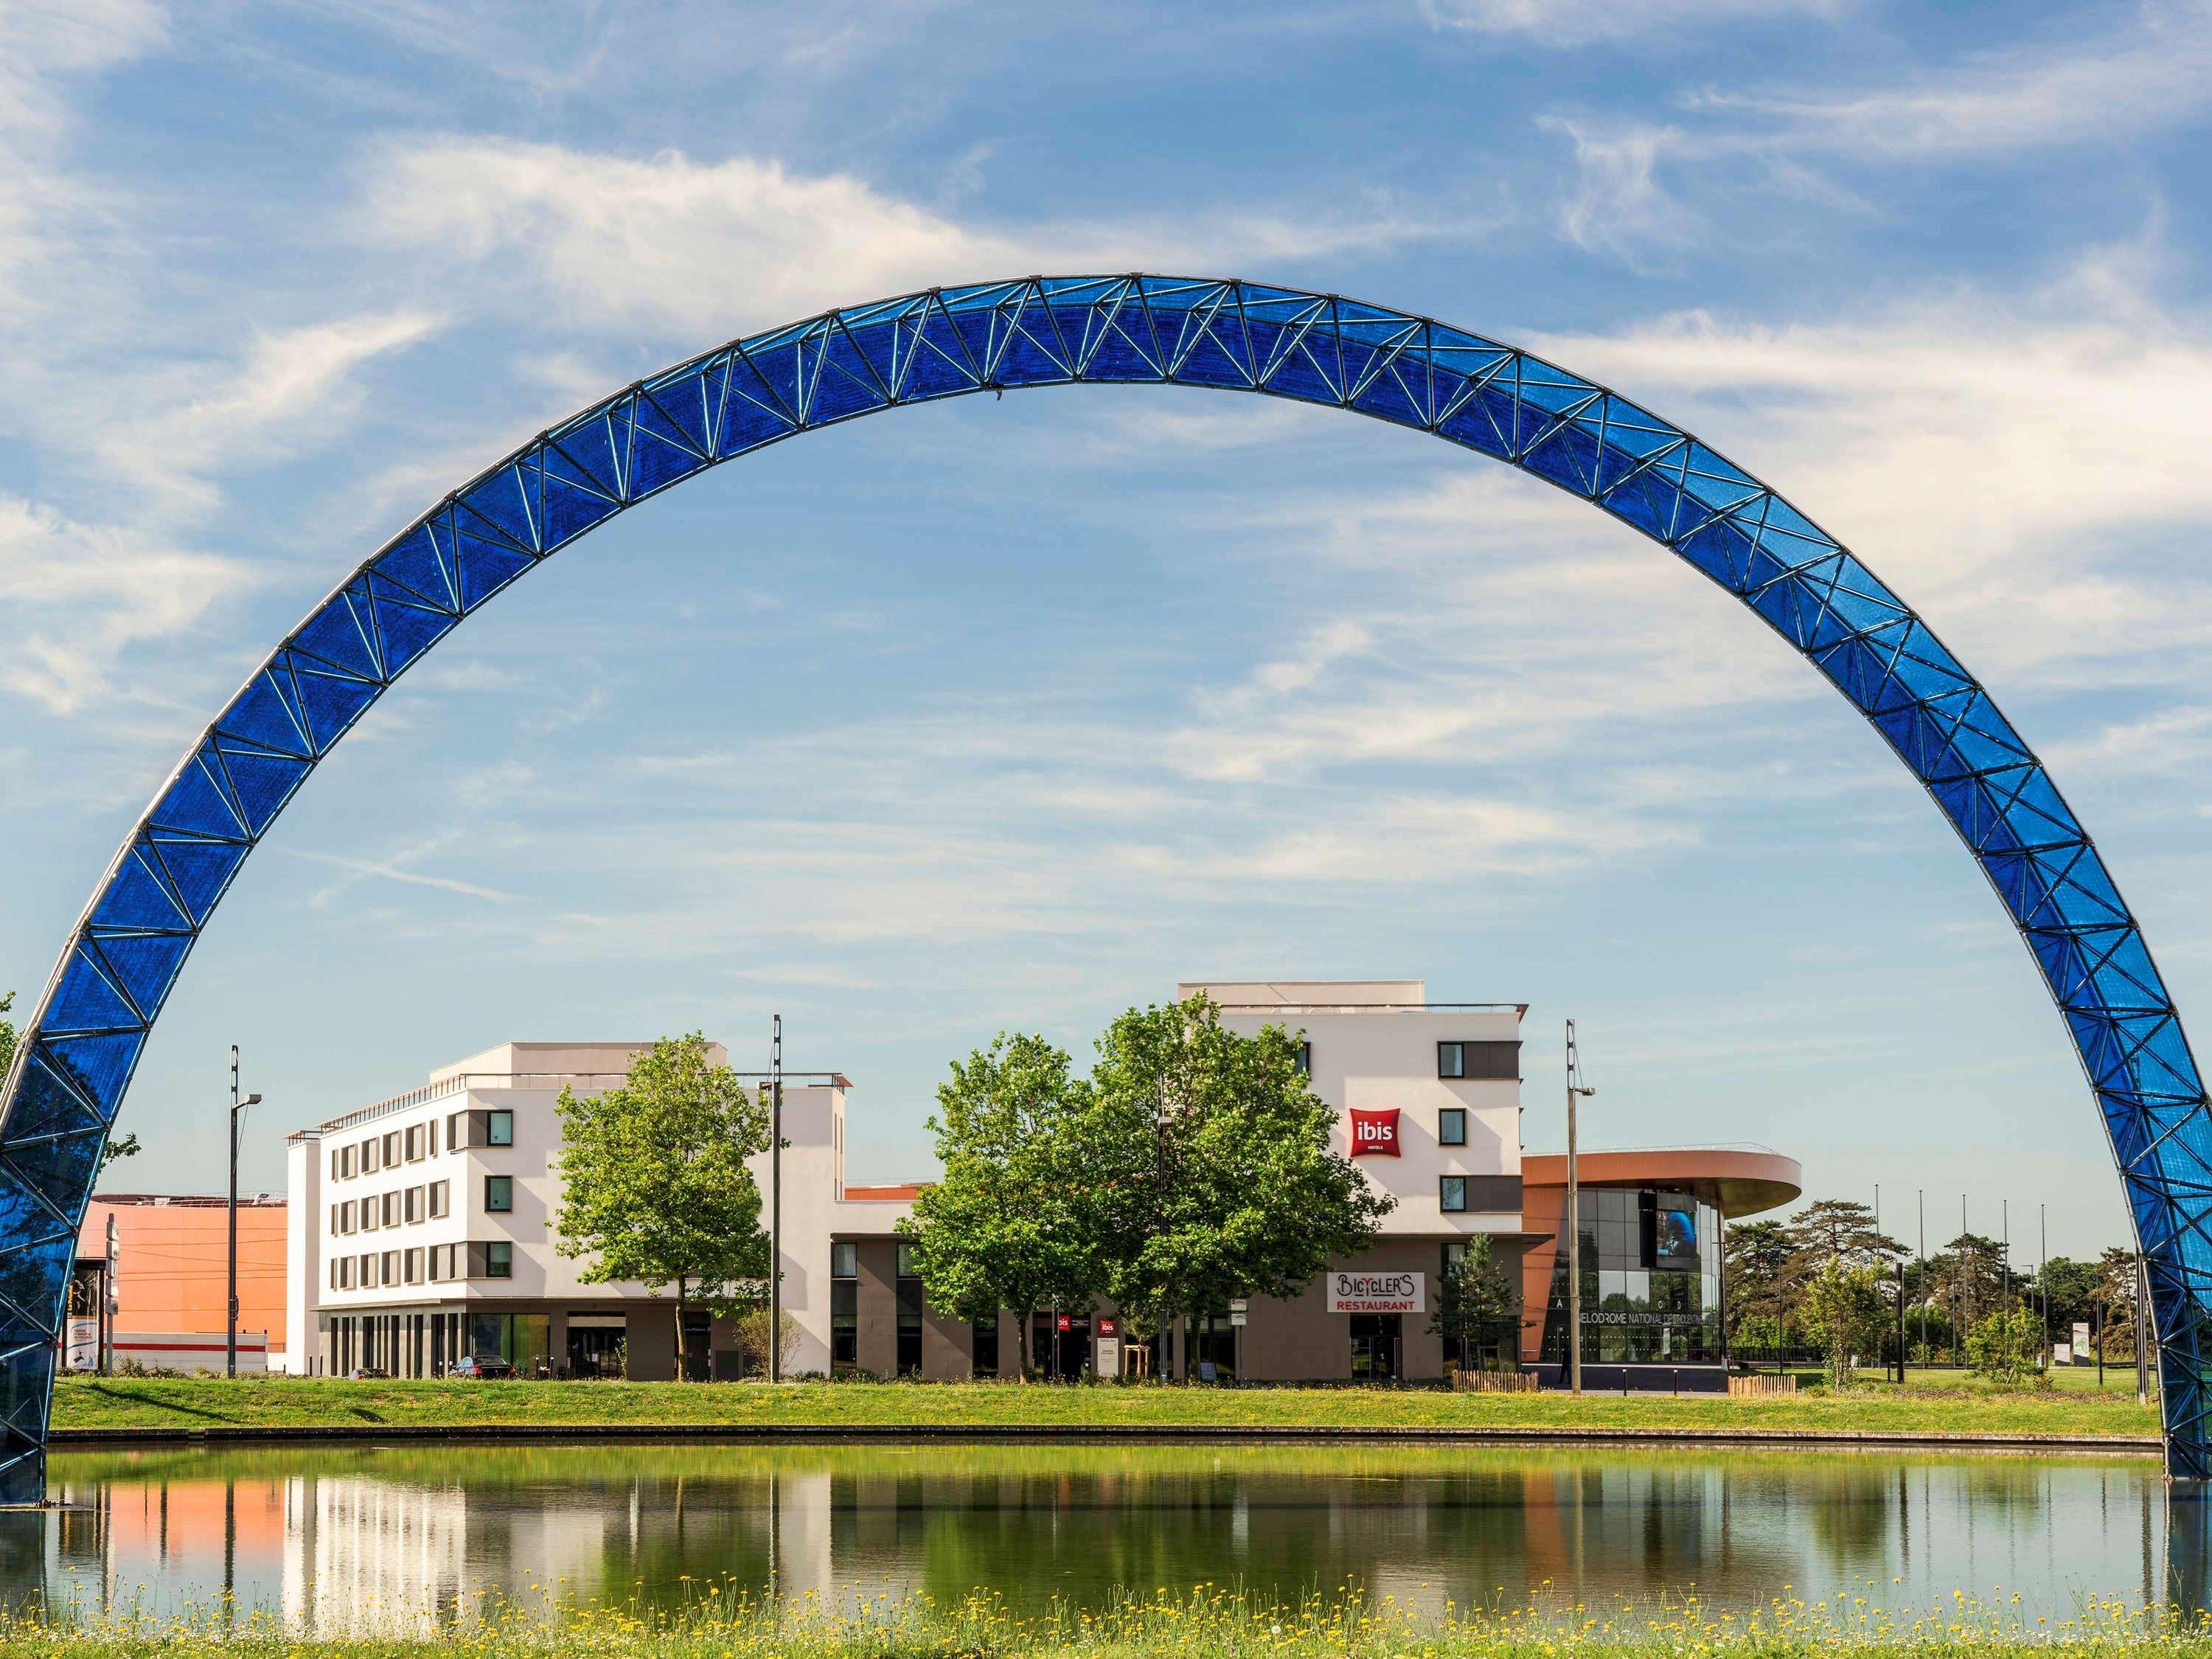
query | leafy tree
(657,1187)
(2118,1284)
(1211,1157)
(1474,1299)
(2069,1290)
(1968,1277)
(1764,1269)
(2003,1346)
(1847,1314)
(1014,1222)
(1841,1230)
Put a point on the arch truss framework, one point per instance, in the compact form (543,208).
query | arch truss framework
(86,1035)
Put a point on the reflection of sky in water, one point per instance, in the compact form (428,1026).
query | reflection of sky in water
(337,1537)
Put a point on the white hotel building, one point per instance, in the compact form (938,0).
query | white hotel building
(421,1228)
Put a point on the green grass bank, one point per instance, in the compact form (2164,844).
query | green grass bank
(1208,1622)
(95,1406)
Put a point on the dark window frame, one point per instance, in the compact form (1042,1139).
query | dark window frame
(1448,1119)
(499,1194)
(1445,1184)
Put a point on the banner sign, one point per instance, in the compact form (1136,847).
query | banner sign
(1375,1132)
(1642,1316)
(1376,1293)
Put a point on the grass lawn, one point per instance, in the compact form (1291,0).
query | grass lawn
(1211,1622)
(1956,1406)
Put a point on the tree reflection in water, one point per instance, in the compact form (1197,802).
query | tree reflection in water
(414,1533)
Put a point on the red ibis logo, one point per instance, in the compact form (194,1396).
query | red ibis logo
(1375,1132)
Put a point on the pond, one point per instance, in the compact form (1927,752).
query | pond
(335,1536)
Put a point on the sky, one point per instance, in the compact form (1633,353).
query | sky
(1009,714)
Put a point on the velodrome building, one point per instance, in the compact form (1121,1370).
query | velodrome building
(421,1228)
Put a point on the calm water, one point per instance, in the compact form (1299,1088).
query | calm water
(332,1537)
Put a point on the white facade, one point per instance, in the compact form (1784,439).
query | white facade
(390,1218)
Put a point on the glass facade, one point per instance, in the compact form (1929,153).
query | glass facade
(1651,1280)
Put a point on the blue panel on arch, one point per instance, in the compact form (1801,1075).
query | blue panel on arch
(264,783)
(145,964)
(657,465)
(487,567)
(58,1170)
(199,870)
(336,636)
(32,1274)
(264,716)
(332,702)
(496,510)
(194,804)
(99,1066)
(44,1107)
(85,1001)
(418,564)
(134,897)
(406,631)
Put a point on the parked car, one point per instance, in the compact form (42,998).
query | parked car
(483,1365)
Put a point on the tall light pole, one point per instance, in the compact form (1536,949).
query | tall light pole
(1576,1090)
(230,1343)
(775,1200)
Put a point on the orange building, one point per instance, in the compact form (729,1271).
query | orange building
(172,1258)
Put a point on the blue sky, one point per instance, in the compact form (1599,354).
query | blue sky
(1010,713)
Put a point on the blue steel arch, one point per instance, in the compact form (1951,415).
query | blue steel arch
(75,1060)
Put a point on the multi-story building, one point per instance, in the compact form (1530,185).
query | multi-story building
(421,1228)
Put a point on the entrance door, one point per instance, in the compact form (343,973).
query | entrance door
(597,1350)
(1375,1347)
(1069,1361)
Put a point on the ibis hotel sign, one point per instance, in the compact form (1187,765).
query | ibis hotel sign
(1377,1293)
(1375,1132)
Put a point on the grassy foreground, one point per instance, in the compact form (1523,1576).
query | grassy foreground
(724,1622)
(302,1403)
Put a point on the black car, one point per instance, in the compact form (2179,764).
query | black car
(483,1365)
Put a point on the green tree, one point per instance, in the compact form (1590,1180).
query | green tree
(2003,1346)
(656,1189)
(1474,1300)
(1213,1162)
(1968,1277)
(1764,1270)
(2069,1289)
(1840,1230)
(1013,1221)
(1846,1313)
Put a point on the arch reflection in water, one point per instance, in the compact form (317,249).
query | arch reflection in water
(408,1537)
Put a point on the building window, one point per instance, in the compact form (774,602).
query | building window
(414,1144)
(909,1300)
(334,1272)
(391,1149)
(1306,1060)
(392,1266)
(391,1209)
(438,1199)
(334,1163)
(454,1138)
(431,1130)
(415,1267)
(368,1271)
(498,1259)
(1451,1126)
(412,1206)
(1451,1060)
(1451,1194)
(498,1194)
(334,1219)
(844,1309)
(845,1260)
(984,1348)
(366,1213)
(499,1128)
(345,1162)
(368,1156)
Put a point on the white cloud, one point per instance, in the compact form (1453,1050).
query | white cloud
(2152,71)
(291,392)
(713,247)
(77,595)
(1578,22)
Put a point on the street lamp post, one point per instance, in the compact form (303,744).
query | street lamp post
(776,1200)
(1576,1091)
(230,1340)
